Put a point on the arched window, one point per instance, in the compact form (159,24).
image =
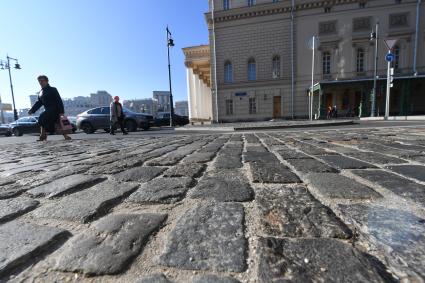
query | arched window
(252,70)
(251,3)
(326,62)
(396,62)
(276,67)
(226,4)
(360,56)
(228,72)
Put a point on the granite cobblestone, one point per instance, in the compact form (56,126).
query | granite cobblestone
(301,206)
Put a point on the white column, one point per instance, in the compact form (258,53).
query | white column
(200,97)
(189,92)
(208,102)
(196,95)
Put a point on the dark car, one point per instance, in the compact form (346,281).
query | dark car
(163,119)
(5,130)
(99,118)
(25,125)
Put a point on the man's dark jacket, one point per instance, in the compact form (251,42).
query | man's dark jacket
(51,101)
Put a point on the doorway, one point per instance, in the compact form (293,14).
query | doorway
(277,105)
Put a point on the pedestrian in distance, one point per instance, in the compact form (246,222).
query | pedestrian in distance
(53,108)
(117,116)
(329,116)
(335,112)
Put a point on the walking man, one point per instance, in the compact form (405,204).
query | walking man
(117,116)
(53,108)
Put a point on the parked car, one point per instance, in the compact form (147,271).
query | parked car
(5,130)
(99,118)
(25,125)
(163,119)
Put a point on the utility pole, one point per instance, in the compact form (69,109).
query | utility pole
(312,81)
(170,43)
(375,36)
(390,72)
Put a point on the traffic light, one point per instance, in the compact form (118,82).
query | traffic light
(391,77)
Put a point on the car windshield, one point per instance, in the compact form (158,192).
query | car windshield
(95,111)
(128,111)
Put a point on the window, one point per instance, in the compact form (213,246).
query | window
(252,73)
(362,5)
(327,9)
(229,107)
(399,20)
(95,111)
(275,1)
(251,3)
(326,28)
(276,67)
(362,24)
(360,60)
(226,4)
(252,106)
(228,72)
(396,62)
(326,63)
(106,110)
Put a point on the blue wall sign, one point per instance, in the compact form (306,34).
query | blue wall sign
(389,57)
(240,94)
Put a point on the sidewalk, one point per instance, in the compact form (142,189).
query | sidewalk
(279,124)
(395,118)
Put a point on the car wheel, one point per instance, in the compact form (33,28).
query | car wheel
(16,132)
(87,128)
(131,126)
(145,127)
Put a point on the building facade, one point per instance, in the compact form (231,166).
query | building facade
(101,98)
(181,108)
(262,50)
(147,105)
(163,98)
(79,104)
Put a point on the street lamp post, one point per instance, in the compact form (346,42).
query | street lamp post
(170,43)
(374,36)
(6,65)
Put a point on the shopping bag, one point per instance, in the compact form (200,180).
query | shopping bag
(63,126)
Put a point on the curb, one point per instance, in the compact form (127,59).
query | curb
(271,127)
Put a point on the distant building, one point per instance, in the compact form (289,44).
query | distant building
(8,117)
(163,98)
(101,98)
(79,104)
(147,105)
(33,100)
(182,108)
(24,113)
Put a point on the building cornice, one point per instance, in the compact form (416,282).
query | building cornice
(270,9)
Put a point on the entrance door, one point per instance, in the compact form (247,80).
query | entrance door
(277,105)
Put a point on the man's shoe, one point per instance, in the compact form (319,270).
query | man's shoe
(112,134)
(125,133)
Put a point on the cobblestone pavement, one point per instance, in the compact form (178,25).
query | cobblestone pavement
(306,206)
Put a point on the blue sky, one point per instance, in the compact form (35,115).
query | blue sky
(89,45)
